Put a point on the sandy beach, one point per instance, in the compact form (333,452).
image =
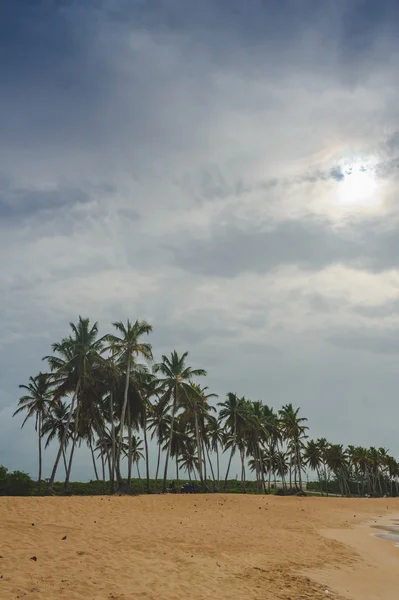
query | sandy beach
(199,547)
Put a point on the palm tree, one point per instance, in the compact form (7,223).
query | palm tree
(337,461)
(313,459)
(137,452)
(126,348)
(231,413)
(36,404)
(177,382)
(58,425)
(189,461)
(196,410)
(293,430)
(214,436)
(159,421)
(72,366)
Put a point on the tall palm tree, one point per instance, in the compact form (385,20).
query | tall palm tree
(337,461)
(159,421)
(36,403)
(177,381)
(195,411)
(72,365)
(125,348)
(233,413)
(293,429)
(214,436)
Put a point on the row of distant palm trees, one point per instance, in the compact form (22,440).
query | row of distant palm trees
(98,391)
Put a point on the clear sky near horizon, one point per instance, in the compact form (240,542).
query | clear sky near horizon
(228,171)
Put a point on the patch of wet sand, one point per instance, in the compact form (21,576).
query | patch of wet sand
(374,575)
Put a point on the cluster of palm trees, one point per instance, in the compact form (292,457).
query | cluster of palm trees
(107,391)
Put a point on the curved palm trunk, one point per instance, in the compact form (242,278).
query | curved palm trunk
(217,465)
(121,485)
(62,444)
(130,447)
(158,461)
(243,472)
(147,461)
(211,466)
(299,462)
(39,481)
(64,460)
(103,471)
(165,475)
(199,446)
(319,478)
(74,443)
(94,460)
(228,468)
(113,442)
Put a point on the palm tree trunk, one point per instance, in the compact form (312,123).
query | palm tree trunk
(298,450)
(165,475)
(39,481)
(218,464)
(74,443)
(65,462)
(147,458)
(113,447)
(122,425)
(62,444)
(94,460)
(204,462)
(103,470)
(199,447)
(319,478)
(243,482)
(158,461)
(210,464)
(228,468)
(130,447)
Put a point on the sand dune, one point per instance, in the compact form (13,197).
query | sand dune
(196,547)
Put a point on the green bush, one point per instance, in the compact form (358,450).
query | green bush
(15,483)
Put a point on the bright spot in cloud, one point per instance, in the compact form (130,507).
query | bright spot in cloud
(358,185)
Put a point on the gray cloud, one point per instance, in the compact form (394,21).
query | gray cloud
(312,244)
(182,162)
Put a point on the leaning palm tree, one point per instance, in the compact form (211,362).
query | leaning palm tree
(72,365)
(36,404)
(125,348)
(57,425)
(177,381)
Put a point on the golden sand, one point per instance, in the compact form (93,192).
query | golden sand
(195,547)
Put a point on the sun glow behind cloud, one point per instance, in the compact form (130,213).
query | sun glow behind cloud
(358,186)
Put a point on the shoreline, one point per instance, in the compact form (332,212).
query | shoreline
(373,575)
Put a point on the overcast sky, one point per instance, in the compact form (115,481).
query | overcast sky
(228,171)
